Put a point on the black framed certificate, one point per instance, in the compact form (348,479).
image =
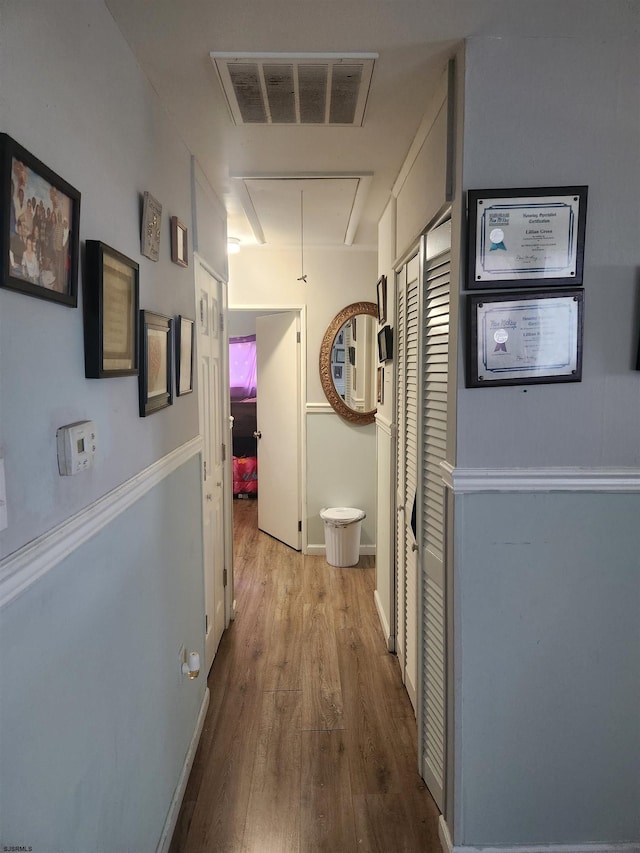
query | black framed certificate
(526,237)
(525,338)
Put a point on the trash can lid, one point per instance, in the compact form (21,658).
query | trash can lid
(342,515)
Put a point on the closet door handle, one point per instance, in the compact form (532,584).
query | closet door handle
(257,434)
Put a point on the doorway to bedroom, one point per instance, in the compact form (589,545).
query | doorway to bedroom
(265,378)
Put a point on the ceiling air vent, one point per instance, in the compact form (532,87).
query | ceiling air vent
(287,88)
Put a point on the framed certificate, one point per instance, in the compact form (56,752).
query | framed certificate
(525,338)
(526,237)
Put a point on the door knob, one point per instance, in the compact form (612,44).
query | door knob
(414,546)
(257,434)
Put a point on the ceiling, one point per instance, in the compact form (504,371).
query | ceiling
(332,180)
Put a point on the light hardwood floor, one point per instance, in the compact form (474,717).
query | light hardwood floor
(310,740)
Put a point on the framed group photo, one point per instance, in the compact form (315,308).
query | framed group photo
(111,294)
(39,237)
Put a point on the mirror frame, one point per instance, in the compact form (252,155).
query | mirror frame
(337,403)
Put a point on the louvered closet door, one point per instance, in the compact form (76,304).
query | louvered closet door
(401,383)
(407,475)
(435,357)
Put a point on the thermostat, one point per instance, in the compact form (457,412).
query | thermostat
(76,447)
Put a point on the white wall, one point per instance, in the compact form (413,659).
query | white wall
(96,597)
(336,277)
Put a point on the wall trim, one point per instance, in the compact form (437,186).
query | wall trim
(471,480)
(27,565)
(384,624)
(444,835)
(320,550)
(386,426)
(319,409)
(176,802)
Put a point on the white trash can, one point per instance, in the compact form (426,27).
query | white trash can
(342,525)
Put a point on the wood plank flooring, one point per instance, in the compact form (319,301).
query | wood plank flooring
(309,745)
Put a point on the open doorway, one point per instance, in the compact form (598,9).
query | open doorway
(265,382)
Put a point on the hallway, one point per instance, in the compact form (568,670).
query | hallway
(310,740)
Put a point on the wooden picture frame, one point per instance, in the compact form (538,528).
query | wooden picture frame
(380,396)
(524,338)
(179,243)
(381,291)
(526,237)
(39,237)
(185,347)
(111,304)
(151,227)
(155,383)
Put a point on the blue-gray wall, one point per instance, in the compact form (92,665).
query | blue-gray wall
(545,587)
(96,721)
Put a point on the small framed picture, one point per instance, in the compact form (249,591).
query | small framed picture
(381,289)
(385,343)
(184,356)
(111,284)
(526,237)
(339,354)
(156,351)
(381,385)
(337,371)
(151,225)
(524,338)
(352,356)
(179,243)
(39,235)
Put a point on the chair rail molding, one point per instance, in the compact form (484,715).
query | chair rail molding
(470,480)
(29,563)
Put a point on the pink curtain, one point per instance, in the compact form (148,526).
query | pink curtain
(242,367)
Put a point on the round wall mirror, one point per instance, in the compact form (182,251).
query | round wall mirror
(348,362)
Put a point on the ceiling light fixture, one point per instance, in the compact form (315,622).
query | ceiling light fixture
(233,245)
(302,276)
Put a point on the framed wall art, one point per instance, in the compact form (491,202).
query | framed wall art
(380,395)
(179,243)
(525,338)
(381,290)
(184,356)
(526,237)
(156,354)
(385,343)
(39,236)
(151,225)
(110,301)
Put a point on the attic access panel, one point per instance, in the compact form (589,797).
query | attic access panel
(302,89)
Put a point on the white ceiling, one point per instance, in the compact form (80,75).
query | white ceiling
(345,173)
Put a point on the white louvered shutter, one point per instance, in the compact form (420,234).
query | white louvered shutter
(435,356)
(400,560)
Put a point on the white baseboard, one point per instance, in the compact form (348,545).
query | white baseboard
(176,802)
(449,847)
(389,640)
(320,550)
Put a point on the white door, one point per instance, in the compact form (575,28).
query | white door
(278,419)
(211,407)
(407,476)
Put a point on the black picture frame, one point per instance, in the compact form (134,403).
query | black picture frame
(110,306)
(385,344)
(185,348)
(47,246)
(179,243)
(155,383)
(352,356)
(381,292)
(526,237)
(524,338)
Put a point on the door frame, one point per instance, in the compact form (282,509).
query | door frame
(301,311)
(225,430)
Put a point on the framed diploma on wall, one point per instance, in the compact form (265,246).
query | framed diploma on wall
(526,237)
(524,338)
